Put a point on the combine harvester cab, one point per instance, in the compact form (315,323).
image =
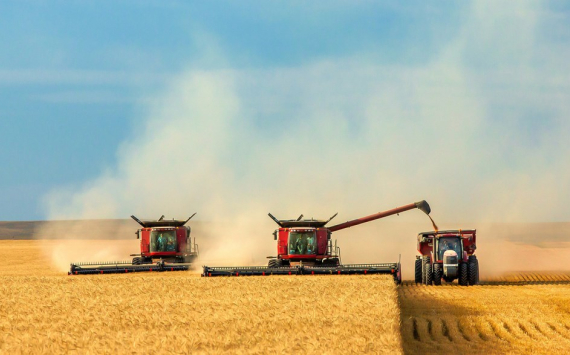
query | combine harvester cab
(165,245)
(447,255)
(304,247)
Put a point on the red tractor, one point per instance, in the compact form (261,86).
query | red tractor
(165,246)
(447,255)
(305,247)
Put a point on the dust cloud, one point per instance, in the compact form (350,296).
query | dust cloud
(480,143)
(87,241)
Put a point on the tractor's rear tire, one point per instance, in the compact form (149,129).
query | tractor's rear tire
(418,271)
(425,261)
(429,274)
(437,273)
(473,270)
(137,261)
(463,274)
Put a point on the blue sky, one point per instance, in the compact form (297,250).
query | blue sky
(82,81)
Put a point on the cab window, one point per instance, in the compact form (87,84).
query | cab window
(302,243)
(161,241)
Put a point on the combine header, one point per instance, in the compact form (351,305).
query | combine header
(304,247)
(165,246)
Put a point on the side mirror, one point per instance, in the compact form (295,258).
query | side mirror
(138,234)
(275,235)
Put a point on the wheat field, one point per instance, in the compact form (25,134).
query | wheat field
(45,311)
(42,310)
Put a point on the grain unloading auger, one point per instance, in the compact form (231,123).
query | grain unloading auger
(165,246)
(304,247)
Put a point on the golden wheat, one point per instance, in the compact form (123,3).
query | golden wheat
(45,311)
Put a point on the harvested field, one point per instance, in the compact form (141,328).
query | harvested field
(500,317)
(45,311)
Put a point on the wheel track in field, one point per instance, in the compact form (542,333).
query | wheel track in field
(433,321)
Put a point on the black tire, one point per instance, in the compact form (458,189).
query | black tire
(429,274)
(437,274)
(272,263)
(137,261)
(463,274)
(330,262)
(418,270)
(425,261)
(473,270)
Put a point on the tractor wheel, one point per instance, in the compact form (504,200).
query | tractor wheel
(272,263)
(463,274)
(437,273)
(137,261)
(473,270)
(429,274)
(418,271)
(330,262)
(425,261)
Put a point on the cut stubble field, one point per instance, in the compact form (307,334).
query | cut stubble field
(45,311)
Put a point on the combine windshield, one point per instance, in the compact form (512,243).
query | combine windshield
(162,241)
(449,243)
(302,243)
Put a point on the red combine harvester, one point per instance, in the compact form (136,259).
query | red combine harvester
(165,246)
(447,255)
(305,247)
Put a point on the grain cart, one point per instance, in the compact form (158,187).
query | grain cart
(447,255)
(304,246)
(165,245)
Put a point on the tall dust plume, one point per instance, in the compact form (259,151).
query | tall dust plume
(481,142)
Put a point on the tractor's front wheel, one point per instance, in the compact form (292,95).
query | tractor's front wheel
(425,261)
(437,274)
(463,274)
(137,261)
(272,263)
(429,274)
(418,270)
(473,270)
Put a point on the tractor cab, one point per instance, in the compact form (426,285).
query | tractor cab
(444,244)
